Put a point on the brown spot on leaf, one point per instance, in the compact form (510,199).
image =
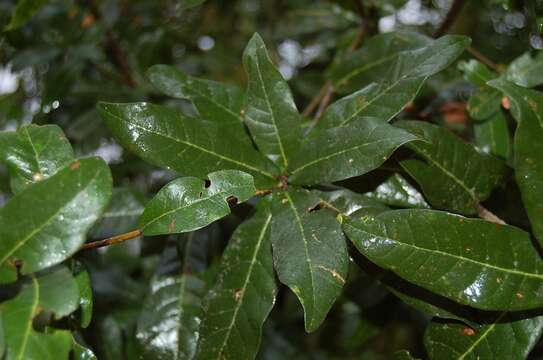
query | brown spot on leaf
(533,105)
(467,331)
(334,274)
(75,165)
(505,103)
(171,227)
(519,296)
(87,21)
(238,294)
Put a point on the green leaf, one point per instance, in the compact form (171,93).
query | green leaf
(396,191)
(388,95)
(347,202)
(85,292)
(187,4)
(368,64)
(492,136)
(237,306)
(34,153)
(215,101)
(270,111)
(484,103)
(526,70)
(55,292)
(309,252)
(186,204)
(403,355)
(526,107)
(69,203)
(193,147)
(170,318)
(474,262)
(453,175)
(476,73)
(24,10)
(506,337)
(81,353)
(122,214)
(347,151)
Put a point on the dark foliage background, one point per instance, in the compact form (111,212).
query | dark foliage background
(72,54)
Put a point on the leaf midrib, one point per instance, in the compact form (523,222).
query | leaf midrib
(47,221)
(252,168)
(35,302)
(457,257)
(483,336)
(246,282)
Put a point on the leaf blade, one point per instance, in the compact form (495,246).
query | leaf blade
(476,263)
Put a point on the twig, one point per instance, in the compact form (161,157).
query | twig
(328,95)
(450,18)
(112,240)
(315,101)
(486,214)
(263,192)
(476,54)
(114,50)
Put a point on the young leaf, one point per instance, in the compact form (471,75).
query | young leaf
(309,252)
(347,151)
(193,147)
(454,175)
(238,304)
(55,292)
(527,108)
(506,337)
(493,137)
(396,191)
(215,101)
(64,207)
(186,204)
(270,111)
(485,101)
(474,262)
(383,99)
(34,153)
(170,318)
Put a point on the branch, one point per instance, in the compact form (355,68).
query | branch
(112,240)
(476,54)
(450,18)
(486,214)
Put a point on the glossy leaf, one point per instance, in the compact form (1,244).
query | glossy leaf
(526,70)
(484,103)
(55,292)
(506,337)
(69,203)
(166,138)
(383,99)
(85,293)
(186,204)
(34,153)
(375,58)
(170,318)
(236,307)
(169,322)
(476,73)
(474,262)
(453,175)
(527,108)
(493,137)
(215,101)
(24,10)
(122,214)
(346,151)
(348,202)
(270,111)
(396,191)
(309,252)
(82,353)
